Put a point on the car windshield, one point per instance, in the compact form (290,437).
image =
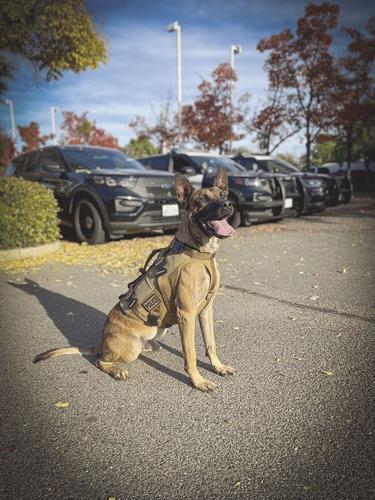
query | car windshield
(211,164)
(95,159)
(280,166)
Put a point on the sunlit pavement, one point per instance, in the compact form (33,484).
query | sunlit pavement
(295,317)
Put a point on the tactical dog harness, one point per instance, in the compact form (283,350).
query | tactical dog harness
(151,297)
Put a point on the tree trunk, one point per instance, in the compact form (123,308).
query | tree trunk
(349,155)
(308,145)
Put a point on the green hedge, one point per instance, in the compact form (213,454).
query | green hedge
(28,214)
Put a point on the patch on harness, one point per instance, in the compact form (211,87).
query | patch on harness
(151,302)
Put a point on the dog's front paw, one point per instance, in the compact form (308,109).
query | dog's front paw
(224,370)
(205,385)
(120,375)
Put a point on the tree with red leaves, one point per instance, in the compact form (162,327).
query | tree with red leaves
(275,122)
(80,130)
(354,92)
(7,151)
(162,130)
(30,135)
(302,65)
(211,120)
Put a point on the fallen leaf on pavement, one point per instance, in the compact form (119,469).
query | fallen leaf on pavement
(314,297)
(237,484)
(328,373)
(62,404)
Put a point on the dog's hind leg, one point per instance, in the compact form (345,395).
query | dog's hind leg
(153,345)
(117,350)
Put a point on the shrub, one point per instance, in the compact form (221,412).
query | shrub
(28,214)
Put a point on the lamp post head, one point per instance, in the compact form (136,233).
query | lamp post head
(173,26)
(237,49)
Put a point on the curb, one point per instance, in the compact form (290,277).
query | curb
(28,252)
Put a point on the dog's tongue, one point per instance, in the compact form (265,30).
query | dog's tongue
(221,227)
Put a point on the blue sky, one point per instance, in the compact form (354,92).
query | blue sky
(141,72)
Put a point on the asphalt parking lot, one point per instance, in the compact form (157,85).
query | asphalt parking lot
(295,317)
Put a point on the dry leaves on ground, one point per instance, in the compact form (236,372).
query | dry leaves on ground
(61,404)
(124,256)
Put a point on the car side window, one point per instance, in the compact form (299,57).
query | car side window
(181,162)
(249,163)
(32,163)
(50,160)
(16,166)
(159,162)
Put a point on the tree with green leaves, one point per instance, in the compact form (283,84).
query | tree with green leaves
(139,147)
(353,96)
(54,36)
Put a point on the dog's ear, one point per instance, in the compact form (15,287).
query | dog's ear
(221,180)
(183,190)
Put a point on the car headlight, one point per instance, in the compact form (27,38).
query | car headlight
(246,181)
(313,182)
(130,181)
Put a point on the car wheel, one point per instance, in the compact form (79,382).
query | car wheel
(88,223)
(347,198)
(235,218)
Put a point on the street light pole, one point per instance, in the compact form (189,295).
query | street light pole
(177,28)
(234,49)
(12,120)
(53,123)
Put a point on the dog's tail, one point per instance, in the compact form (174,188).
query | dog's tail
(62,351)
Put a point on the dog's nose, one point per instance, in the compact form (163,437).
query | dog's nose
(227,205)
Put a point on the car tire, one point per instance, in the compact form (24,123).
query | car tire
(347,198)
(235,218)
(88,223)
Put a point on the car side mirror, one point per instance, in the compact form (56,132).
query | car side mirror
(188,170)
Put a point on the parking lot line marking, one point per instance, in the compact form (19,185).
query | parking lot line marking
(299,306)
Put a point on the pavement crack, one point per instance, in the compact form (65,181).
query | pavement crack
(305,307)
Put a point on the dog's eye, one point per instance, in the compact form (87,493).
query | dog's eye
(204,198)
(223,195)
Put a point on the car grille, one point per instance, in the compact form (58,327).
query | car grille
(159,192)
(290,184)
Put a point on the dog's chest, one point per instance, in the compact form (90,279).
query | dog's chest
(202,286)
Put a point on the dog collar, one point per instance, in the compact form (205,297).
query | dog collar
(181,247)
(198,255)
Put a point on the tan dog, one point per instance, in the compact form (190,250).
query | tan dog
(179,287)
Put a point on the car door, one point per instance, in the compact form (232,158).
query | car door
(53,175)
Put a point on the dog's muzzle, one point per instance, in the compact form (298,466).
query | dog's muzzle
(213,219)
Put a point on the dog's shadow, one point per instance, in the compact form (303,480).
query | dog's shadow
(82,324)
